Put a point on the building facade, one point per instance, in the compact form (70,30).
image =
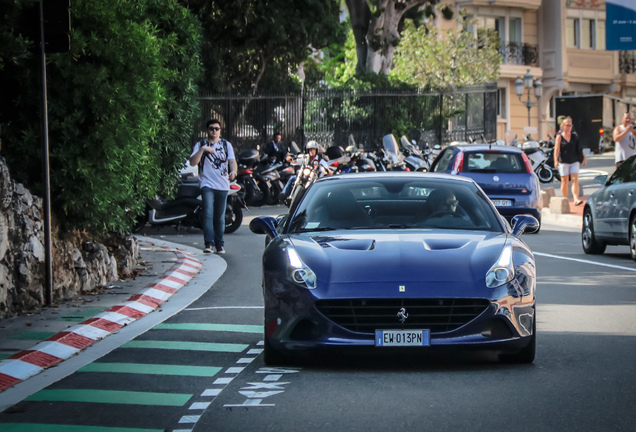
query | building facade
(560,42)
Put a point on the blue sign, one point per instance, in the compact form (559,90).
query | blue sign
(620,31)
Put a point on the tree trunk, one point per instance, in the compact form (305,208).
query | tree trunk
(376,34)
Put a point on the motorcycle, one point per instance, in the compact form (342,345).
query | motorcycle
(413,157)
(307,174)
(390,158)
(186,209)
(268,176)
(255,188)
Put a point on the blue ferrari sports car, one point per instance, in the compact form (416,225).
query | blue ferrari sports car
(393,260)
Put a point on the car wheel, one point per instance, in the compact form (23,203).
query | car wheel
(527,354)
(590,244)
(632,237)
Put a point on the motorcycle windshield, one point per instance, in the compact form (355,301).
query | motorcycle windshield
(391,148)
(410,148)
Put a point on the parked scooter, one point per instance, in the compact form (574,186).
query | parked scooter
(186,209)
(540,161)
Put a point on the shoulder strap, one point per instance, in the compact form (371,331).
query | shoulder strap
(202,160)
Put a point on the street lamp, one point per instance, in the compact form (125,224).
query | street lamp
(528,82)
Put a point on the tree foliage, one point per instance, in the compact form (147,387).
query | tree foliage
(245,40)
(428,57)
(122,106)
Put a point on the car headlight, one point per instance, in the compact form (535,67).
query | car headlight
(297,270)
(502,271)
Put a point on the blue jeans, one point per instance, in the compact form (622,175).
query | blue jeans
(214,203)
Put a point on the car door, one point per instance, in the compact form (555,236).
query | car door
(620,196)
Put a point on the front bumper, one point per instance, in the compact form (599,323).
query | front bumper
(294,324)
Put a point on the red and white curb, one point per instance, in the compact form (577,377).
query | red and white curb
(65,344)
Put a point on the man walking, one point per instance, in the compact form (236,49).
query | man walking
(213,156)
(625,142)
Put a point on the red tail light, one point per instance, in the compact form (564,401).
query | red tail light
(527,162)
(407,169)
(459,162)
(601,132)
(245,171)
(235,186)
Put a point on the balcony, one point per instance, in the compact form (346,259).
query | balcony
(627,62)
(519,54)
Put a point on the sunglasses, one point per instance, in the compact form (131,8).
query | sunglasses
(214,128)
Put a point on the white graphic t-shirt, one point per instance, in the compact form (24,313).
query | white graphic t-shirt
(213,168)
(625,147)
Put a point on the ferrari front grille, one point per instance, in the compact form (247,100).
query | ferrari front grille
(368,315)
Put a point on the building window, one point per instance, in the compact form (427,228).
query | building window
(501,103)
(515,30)
(572,32)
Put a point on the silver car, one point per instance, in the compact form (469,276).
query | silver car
(609,217)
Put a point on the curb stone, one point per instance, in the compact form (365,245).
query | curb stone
(73,340)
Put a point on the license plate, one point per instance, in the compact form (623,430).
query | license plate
(502,203)
(402,338)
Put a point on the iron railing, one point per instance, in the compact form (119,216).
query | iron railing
(627,62)
(519,54)
(335,116)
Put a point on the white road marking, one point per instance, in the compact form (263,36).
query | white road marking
(585,261)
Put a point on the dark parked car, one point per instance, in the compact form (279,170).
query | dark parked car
(397,259)
(503,172)
(609,216)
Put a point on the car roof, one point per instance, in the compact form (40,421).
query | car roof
(487,147)
(397,174)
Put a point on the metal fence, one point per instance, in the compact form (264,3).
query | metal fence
(335,116)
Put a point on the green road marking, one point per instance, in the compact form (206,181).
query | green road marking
(152,369)
(213,327)
(80,315)
(111,396)
(32,335)
(187,346)
(34,427)
(5,355)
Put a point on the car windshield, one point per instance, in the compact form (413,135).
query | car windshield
(394,203)
(494,162)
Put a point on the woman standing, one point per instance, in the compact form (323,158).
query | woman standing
(568,156)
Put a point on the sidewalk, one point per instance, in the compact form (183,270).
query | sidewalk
(31,343)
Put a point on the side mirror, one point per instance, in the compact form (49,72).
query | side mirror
(264,225)
(523,223)
(601,179)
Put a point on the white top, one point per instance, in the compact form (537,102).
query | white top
(625,147)
(215,167)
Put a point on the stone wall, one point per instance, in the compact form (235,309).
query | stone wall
(79,264)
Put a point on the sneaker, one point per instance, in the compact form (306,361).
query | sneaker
(208,249)
(220,250)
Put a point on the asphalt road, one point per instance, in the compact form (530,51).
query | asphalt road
(204,371)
